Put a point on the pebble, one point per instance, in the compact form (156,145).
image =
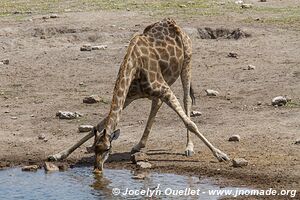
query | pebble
(232,55)
(86,47)
(138,156)
(239,162)
(239,2)
(54,16)
(279,101)
(139,176)
(48,166)
(196,113)
(246,5)
(234,138)
(263,0)
(68,115)
(41,136)
(92,99)
(100,47)
(259,103)
(210,92)
(251,67)
(85,128)
(30,168)
(143,165)
(4,62)
(14,118)
(297,142)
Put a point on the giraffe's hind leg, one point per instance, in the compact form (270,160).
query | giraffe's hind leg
(170,99)
(156,104)
(187,101)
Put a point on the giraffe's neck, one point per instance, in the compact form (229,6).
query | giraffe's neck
(125,76)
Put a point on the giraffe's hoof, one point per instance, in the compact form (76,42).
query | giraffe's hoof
(137,148)
(54,157)
(189,153)
(221,156)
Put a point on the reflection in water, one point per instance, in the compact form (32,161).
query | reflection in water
(80,183)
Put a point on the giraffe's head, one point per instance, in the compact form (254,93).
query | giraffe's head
(103,148)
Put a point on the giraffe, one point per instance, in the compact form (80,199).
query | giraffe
(154,60)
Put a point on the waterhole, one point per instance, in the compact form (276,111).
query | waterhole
(79,183)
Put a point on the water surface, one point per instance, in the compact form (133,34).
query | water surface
(80,183)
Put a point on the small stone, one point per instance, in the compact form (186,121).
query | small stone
(99,47)
(85,128)
(4,62)
(239,2)
(210,92)
(43,37)
(128,9)
(196,113)
(54,16)
(251,67)
(143,165)
(234,138)
(246,5)
(279,101)
(92,99)
(7,111)
(48,166)
(232,55)
(86,47)
(14,118)
(81,83)
(239,162)
(139,176)
(259,103)
(30,168)
(263,0)
(45,17)
(138,156)
(41,136)
(297,142)
(68,115)
(182,6)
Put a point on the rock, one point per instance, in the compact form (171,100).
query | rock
(81,83)
(259,103)
(30,168)
(234,138)
(4,62)
(48,166)
(14,118)
(196,113)
(246,5)
(85,128)
(41,136)
(54,16)
(43,37)
(251,67)
(182,6)
(68,115)
(100,47)
(263,1)
(297,142)
(210,92)
(86,47)
(279,101)
(239,162)
(139,176)
(239,2)
(92,99)
(143,165)
(63,167)
(232,55)
(138,156)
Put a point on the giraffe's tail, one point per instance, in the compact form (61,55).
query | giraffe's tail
(192,95)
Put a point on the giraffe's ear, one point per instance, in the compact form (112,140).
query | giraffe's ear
(115,135)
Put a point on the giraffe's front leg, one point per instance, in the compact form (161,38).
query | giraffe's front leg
(156,104)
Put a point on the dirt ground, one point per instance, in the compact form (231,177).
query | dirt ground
(47,72)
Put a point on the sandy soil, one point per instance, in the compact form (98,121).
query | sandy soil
(44,76)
